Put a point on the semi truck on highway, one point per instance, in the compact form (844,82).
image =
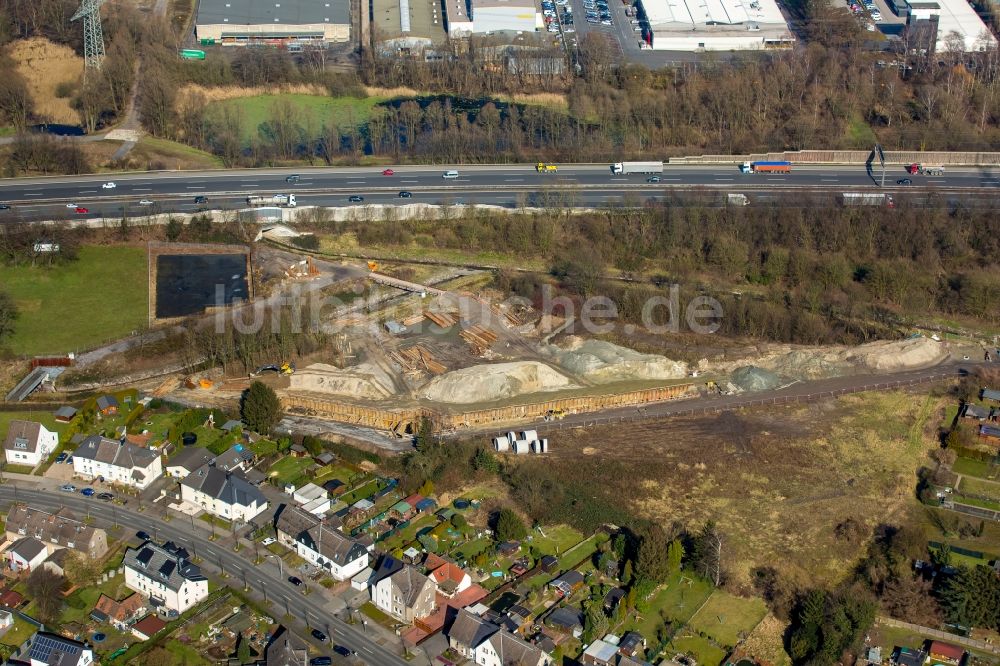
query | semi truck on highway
(626,168)
(737,199)
(925,170)
(542,167)
(765,167)
(868,199)
(287,200)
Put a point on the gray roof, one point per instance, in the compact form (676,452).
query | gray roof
(321,536)
(28,548)
(65,412)
(266,12)
(167,564)
(410,583)
(191,458)
(990,394)
(470,629)
(106,401)
(514,651)
(60,528)
(23,436)
(54,650)
(234,457)
(286,649)
(119,454)
(566,617)
(229,487)
(231,425)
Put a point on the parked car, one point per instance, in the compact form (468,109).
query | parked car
(69,461)
(318,635)
(342,651)
(267,541)
(68,488)
(355,198)
(61,457)
(82,210)
(109,185)
(295,580)
(107,497)
(89,492)
(143,535)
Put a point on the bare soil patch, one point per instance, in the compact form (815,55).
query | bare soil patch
(45,65)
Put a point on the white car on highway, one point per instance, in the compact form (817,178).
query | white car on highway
(71,205)
(109,185)
(145,202)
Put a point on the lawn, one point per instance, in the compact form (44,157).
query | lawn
(557,539)
(45,418)
(174,155)
(19,632)
(702,649)
(678,599)
(184,654)
(363,491)
(724,617)
(309,111)
(290,468)
(469,550)
(97,298)
(970,467)
(980,487)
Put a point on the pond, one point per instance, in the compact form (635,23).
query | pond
(187,284)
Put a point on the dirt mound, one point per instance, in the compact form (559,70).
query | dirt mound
(752,378)
(891,356)
(365,380)
(604,363)
(45,66)
(485,383)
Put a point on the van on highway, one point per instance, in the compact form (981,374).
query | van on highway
(450,174)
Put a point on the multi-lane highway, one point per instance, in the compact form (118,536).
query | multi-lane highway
(509,185)
(264,579)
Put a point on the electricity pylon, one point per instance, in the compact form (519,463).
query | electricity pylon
(93,36)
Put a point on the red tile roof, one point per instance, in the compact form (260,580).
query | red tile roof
(149,625)
(946,650)
(448,571)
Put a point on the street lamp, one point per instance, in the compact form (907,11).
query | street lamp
(281,568)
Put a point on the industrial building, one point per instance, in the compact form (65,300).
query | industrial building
(408,26)
(506,15)
(950,22)
(459,18)
(715,25)
(290,22)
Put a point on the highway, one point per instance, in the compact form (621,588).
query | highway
(264,579)
(508,185)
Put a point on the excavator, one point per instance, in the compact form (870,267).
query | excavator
(283,369)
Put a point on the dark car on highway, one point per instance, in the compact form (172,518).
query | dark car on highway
(355,198)
(342,651)
(143,535)
(904,181)
(201,200)
(404,194)
(319,635)
(295,580)
(292,179)
(320,661)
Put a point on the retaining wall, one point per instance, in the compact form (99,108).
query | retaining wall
(849,157)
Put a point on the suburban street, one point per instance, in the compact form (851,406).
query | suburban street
(303,611)
(508,185)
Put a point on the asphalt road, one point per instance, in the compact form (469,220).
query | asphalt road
(264,579)
(510,185)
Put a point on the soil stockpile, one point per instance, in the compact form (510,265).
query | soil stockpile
(752,378)
(365,380)
(486,383)
(602,362)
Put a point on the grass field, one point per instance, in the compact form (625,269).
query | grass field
(45,418)
(725,617)
(980,487)
(679,598)
(558,539)
(99,297)
(173,155)
(311,111)
(970,467)
(701,648)
(289,468)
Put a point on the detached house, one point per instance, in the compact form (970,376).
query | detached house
(468,631)
(402,591)
(57,530)
(120,614)
(451,579)
(26,554)
(486,644)
(222,493)
(165,575)
(320,542)
(28,443)
(45,649)
(117,462)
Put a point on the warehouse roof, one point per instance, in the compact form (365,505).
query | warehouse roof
(271,12)
(711,12)
(420,19)
(958,16)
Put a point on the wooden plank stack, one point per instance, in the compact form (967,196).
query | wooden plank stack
(480,339)
(442,319)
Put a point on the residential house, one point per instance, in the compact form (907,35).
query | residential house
(632,644)
(903,656)
(28,443)
(567,583)
(286,649)
(320,542)
(148,627)
(165,575)
(188,460)
(107,405)
(117,462)
(945,653)
(600,653)
(26,554)
(119,614)
(625,660)
(65,414)
(506,649)
(56,562)
(56,530)
(569,620)
(467,632)
(405,594)
(451,579)
(223,493)
(45,649)
(237,457)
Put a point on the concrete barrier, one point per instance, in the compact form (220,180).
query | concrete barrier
(849,157)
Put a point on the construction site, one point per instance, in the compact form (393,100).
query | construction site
(437,343)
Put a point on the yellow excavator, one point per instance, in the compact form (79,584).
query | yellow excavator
(283,369)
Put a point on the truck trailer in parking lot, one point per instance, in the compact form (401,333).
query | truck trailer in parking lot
(626,168)
(868,199)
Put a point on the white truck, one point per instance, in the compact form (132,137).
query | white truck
(737,199)
(868,199)
(285,200)
(626,168)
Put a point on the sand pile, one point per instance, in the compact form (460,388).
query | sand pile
(365,380)
(890,356)
(486,383)
(604,363)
